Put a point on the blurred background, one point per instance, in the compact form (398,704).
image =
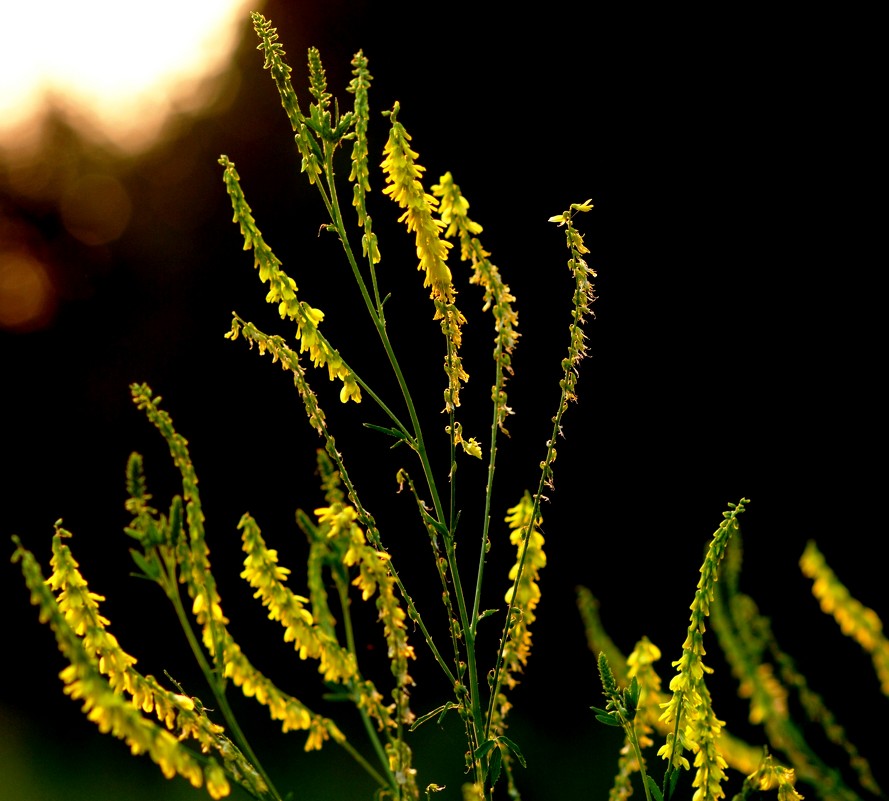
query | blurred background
(731,157)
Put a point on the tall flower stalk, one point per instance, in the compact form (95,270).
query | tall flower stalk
(354,560)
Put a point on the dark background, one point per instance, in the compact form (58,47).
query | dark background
(734,353)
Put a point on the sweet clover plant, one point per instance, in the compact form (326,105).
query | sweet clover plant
(350,559)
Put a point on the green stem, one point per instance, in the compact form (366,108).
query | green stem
(535,511)
(170,586)
(631,736)
(333,209)
(372,772)
(489,488)
(332,204)
(671,767)
(343,593)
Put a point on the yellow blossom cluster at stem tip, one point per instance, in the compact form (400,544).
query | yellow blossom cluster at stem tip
(283,289)
(854,618)
(193,553)
(267,577)
(453,211)
(404,186)
(340,521)
(101,675)
(640,665)
(699,729)
(526,595)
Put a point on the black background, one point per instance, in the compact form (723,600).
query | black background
(735,350)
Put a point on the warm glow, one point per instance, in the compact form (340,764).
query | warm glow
(27,295)
(116,70)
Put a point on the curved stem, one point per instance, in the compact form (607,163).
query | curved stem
(171,588)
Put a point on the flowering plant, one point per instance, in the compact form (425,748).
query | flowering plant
(348,553)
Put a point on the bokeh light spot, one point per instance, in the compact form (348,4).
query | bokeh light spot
(27,295)
(96,209)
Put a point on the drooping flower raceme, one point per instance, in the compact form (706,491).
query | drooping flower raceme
(404,185)
(283,289)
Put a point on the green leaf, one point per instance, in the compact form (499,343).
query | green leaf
(517,752)
(483,749)
(632,692)
(392,432)
(609,720)
(656,793)
(150,569)
(494,769)
(631,698)
(441,711)
(674,780)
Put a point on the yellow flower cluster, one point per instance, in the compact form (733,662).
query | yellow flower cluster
(639,666)
(340,521)
(584,296)
(698,727)
(292,713)
(855,620)
(525,596)
(497,296)
(193,552)
(640,663)
(404,186)
(359,174)
(770,775)
(267,577)
(738,754)
(274,54)
(92,651)
(283,289)
(194,556)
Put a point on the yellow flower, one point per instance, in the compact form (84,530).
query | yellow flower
(217,784)
(350,390)
(470,446)
(404,186)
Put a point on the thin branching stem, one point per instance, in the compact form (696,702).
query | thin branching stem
(170,584)
(373,737)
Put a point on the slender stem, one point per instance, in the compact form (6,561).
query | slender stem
(170,586)
(671,767)
(350,749)
(535,515)
(333,209)
(489,488)
(631,736)
(467,624)
(535,511)
(343,593)
(418,441)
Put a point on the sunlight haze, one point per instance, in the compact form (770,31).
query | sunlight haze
(115,71)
